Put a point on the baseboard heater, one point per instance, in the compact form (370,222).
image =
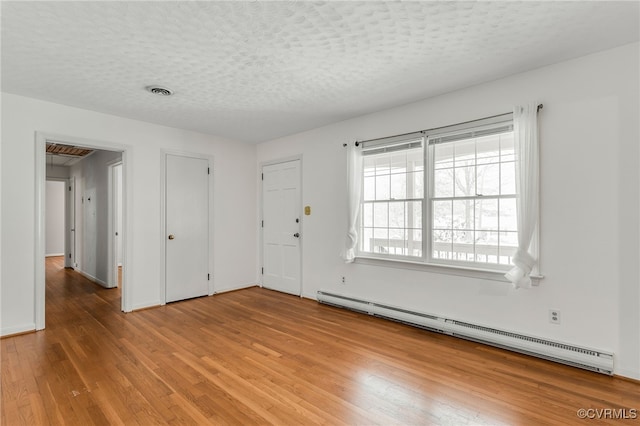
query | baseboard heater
(588,359)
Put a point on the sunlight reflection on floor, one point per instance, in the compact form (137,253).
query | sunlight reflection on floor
(403,401)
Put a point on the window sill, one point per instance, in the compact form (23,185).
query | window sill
(462,271)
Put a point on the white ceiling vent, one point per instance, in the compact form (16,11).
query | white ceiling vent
(159,90)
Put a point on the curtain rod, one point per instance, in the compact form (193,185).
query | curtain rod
(357,143)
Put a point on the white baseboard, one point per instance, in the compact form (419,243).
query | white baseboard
(146,305)
(312,296)
(17,329)
(53,254)
(92,278)
(240,287)
(629,374)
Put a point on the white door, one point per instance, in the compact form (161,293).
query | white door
(187,227)
(281,227)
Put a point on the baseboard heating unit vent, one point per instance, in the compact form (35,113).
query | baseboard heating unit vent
(588,359)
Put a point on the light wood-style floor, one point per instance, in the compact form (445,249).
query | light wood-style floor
(259,357)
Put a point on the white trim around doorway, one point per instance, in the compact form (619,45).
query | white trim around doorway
(41,139)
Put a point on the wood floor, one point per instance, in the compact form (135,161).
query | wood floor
(259,357)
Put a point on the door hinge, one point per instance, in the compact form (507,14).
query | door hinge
(69,255)
(262,176)
(262,272)
(208,170)
(69,188)
(263,223)
(208,277)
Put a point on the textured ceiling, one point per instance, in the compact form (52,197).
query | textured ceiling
(253,71)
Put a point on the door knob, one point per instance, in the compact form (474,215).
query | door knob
(171,237)
(297,235)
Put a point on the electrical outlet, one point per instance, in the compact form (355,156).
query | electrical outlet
(554,316)
(344,280)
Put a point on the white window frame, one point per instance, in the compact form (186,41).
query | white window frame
(491,271)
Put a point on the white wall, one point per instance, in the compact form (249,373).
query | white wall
(589,207)
(55,220)
(57,172)
(234,175)
(92,203)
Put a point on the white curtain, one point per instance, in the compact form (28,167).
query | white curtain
(525,130)
(354,180)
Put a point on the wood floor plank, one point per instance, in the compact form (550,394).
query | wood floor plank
(256,356)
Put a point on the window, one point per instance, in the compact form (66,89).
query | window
(393,198)
(459,210)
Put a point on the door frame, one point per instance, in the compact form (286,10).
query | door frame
(163,218)
(260,262)
(41,139)
(112,261)
(70,224)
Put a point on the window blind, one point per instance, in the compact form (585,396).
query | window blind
(470,130)
(393,143)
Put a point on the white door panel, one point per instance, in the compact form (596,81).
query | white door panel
(281,216)
(187,227)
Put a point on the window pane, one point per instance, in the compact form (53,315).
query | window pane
(414,239)
(385,228)
(488,178)
(415,210)
(488,149)
(465,153)
(442,214)
(399,186)
(382,165)
(369,165)
(507,152)
(413,242)
(397,242)
(367,214)
(369,192)
(381,215)
(463,245)
(367,237)
(382,187)
(486,247)
(381,240)
(396,215)
(508,247)
(443,156)
(399,163)
(508,216)
(443,183)
(442,244)
(487,215)
(415,160)
(463,216)
(416,185)
(465,181)
(508,178)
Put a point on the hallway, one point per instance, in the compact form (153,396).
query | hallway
(72,298)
